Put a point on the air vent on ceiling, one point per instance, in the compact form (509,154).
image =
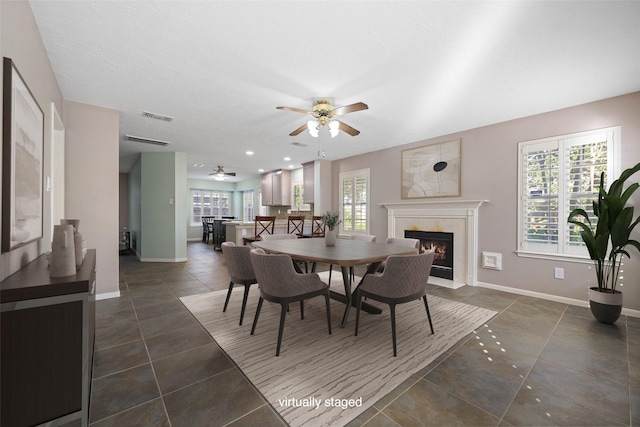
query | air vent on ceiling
(299,144)
(146,140)
(157,116)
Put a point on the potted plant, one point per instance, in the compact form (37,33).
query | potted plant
(607,242)
(331,220)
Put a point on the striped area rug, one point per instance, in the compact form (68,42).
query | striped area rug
(321,379)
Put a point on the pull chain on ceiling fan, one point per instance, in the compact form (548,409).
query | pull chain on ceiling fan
(323,113)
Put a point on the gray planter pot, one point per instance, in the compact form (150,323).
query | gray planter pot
(605,307)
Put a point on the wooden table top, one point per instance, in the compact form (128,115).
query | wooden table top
(345,253)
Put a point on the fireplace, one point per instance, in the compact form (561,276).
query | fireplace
(442,244)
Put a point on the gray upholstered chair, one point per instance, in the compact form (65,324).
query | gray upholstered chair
(399,241)
(364,238)
(240,270)
(403,280)
(281,284)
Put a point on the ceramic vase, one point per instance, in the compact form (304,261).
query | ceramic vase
(330,237)
(77,239)
(63,253)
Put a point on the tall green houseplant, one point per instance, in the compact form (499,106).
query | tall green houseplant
(608,241)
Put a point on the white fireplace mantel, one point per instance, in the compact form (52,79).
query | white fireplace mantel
(461,216)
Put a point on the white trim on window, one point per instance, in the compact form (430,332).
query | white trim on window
(556,175)
(209,203)
(355,206)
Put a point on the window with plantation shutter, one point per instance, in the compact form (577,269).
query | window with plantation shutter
(209,203)
(354,197)
(557,175)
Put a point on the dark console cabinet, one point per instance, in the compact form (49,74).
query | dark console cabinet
(47,333)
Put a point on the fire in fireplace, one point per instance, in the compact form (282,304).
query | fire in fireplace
(442,243)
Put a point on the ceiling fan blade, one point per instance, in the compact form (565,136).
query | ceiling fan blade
(295,110)
(358,106)
(348,129)
(299,130)
(230,173)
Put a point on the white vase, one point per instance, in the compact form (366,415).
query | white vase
(77,239)
(63,253)
(330,237)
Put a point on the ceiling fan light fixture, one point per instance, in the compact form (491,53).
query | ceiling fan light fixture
(314,128)
(334,128)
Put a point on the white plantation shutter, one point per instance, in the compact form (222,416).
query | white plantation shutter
(557,175)
(208,203)
(354,191)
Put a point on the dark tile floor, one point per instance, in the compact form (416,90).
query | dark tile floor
(536,363)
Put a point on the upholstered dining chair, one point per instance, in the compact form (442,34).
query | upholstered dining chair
(281,284)
(364,238)
(262,225)
(404,280)
(240,270)
(400,241)
(295,225)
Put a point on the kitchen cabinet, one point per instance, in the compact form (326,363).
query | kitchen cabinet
(308,182)
(276,188)
(47,333)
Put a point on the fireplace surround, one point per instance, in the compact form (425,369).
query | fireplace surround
(459,217)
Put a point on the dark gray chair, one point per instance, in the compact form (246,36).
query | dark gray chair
(399,241)
(281,284)
(240,270)
(404,279)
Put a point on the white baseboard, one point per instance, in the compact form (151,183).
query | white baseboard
(556,298)
(163,259)
(107,295)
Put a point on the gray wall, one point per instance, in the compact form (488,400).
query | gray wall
(162,189)
(489,172)
(20,41)
(91,185)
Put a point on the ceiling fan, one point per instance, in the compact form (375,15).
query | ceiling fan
(323,113)
(220,173)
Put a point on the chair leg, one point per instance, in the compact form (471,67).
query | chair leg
(330,270)
(302,309)
(326,297)
(283,314)
(255,318)
(244,302)
(226,302)
(426,305)
(358,306)
(393,327)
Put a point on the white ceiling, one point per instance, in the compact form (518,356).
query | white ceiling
(425,68)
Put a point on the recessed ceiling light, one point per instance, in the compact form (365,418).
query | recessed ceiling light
(286,159)
(198,165)
(291,166)
(260,170)
(249,153)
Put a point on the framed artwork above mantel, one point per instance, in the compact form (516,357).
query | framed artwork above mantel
(431,171)
(22,161)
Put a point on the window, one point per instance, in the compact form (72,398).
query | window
(208,203)
(354,199)
(557,175)
(248,213)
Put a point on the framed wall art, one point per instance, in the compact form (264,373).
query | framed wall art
(431,171)
(22,161)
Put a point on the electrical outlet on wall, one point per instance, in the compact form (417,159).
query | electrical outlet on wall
(558,273)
